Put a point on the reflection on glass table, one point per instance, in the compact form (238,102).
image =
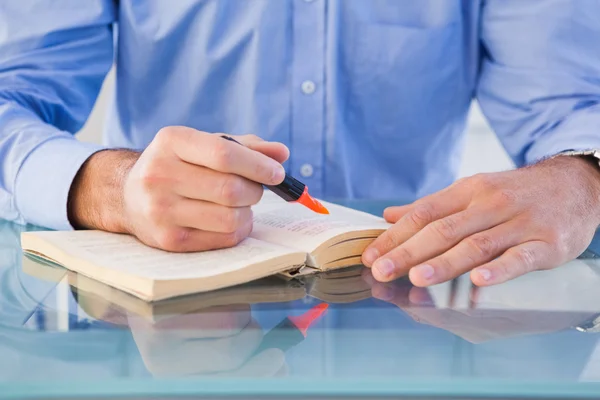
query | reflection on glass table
(64,334)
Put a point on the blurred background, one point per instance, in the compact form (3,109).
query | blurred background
(483,150)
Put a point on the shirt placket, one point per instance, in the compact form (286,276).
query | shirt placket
(308,87)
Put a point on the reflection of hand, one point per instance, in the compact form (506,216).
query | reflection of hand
(474,325)
(216,341)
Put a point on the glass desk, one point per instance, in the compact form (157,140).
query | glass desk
(62,335)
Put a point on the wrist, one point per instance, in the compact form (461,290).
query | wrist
(96,195)
(584,172)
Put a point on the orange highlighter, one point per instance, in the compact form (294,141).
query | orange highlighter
(292,190)
(292,330)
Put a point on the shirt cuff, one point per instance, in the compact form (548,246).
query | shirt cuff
(579,132)
(44,180)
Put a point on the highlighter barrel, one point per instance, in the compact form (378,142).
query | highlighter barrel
(292,190)
(283,337)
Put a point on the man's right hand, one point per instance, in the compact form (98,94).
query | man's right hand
(188,191)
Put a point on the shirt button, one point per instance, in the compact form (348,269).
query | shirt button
(308,87)
(306,170)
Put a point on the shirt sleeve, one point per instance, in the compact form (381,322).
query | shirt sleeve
(539,84)
(54,56)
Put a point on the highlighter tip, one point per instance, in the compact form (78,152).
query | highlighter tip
(304,321)
(322,210)
(308,201)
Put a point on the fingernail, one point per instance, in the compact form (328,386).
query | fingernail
(425,271)
(278,174)
(485,274)
(370,256)
(385,267)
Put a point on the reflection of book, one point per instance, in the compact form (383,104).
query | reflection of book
(286,237)
(41,269)
(339,286)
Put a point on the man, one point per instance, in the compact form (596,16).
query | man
(369,96)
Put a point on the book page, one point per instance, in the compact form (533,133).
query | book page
(293,225)
(126,254)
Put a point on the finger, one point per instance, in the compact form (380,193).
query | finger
(208,216)
(201,183)
(454,192)
(181,240)
(275,150)
(433,240)
(216,153)
(516,261)
(393,214)
(422,214)
(470,253)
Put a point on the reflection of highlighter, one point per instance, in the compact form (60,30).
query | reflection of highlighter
(292,190)
(292,330)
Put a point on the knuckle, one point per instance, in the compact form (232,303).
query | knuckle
(155,210)
(444,264)
(525,258)
(263,171)
(483,246)
(231,190)
(151,174)
(390,239)
(422,215)
(505,270)
(559,241)
(444,267)
(173,239)
(165,135)
(221,154)
(232,219)
(483,182)
(505,198)
(233,238)
(446,228)
(462,181)
(405,255)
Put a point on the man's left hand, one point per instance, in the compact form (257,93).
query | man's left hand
(498,226)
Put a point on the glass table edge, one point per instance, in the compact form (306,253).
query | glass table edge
(306,387)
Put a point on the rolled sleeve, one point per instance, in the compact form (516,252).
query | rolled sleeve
(539,83)
(44,180)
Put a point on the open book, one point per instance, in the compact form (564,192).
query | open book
(287,238)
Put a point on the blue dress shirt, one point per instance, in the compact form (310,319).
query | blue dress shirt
(371,96)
